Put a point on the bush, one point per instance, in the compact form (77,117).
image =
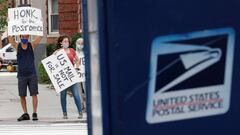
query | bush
(43,75)
(50,49)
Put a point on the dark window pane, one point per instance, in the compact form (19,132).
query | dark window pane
(54,7)
(54,23)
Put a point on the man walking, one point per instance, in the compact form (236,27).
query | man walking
(27,77)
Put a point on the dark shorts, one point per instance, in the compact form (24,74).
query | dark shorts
(31,82)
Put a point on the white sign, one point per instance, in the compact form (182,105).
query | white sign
(60,70)
(25,20)
(190,75)
(81,72)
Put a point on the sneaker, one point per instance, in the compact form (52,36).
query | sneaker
(80,116)
(34,117)
(25,116)
(65,115)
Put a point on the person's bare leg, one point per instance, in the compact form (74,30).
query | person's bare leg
(35,103)
(23,103)
(25,116)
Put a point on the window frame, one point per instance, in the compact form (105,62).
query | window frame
(19,2)
(50,19)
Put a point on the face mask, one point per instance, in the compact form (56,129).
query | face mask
(65,45)
(24,40)
(80,47)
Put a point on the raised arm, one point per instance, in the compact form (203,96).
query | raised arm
(77,61)
(12,42)
(11,39)
(36,41)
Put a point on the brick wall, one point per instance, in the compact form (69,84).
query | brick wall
(69,16)
(11,3)
(51,40)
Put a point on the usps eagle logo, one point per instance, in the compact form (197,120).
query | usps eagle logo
(190,75)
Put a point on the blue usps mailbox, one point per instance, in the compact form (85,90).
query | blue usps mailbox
(169,67)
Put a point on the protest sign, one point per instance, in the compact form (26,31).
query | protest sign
(25,20)
(81,72)
(60,71)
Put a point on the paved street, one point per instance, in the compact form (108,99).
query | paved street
(49,112)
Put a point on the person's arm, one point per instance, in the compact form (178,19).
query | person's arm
(76,60)
(12,42)
(36,41)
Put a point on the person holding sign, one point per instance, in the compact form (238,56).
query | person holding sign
(82,85)
(63,43)
(27,76)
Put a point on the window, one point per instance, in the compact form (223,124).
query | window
(23,2)
(53,16)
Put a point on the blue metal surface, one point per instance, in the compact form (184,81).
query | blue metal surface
(87,62)
(127,29)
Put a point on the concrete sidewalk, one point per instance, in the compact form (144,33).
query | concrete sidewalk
(49,109)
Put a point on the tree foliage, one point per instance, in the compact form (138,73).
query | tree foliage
(3,13)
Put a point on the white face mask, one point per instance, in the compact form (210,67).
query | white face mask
(65,45)
(80,47)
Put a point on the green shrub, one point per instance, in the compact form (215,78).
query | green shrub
(50,49)
(43,75)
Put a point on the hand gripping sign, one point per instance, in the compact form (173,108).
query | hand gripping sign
(60,71)
(25,20)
